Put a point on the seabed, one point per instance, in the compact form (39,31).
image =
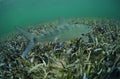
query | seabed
(98,58)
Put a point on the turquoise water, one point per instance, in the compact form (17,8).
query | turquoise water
(29,12)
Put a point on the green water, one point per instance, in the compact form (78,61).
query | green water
(28,12)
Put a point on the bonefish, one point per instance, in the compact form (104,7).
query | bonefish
(62,32)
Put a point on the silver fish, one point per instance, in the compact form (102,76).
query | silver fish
(62,33)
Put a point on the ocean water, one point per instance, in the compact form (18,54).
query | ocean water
(29,12)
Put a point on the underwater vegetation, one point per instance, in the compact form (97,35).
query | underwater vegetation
(92,54)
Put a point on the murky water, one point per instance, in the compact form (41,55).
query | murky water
(28,12)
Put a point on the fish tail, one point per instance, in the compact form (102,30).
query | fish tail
(28,35)
(28,48)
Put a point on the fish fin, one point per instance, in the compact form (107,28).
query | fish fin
(28,35)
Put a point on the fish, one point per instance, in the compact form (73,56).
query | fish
(62,32)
